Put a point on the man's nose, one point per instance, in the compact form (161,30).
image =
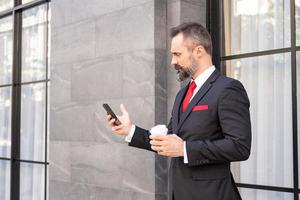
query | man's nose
(173,61)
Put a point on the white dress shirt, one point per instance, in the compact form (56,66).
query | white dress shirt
(200,80)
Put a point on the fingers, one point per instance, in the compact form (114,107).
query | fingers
(114,127)
(111,120)
(158,137)
(161,150)
(117,128)
(166,145)
(157,148)
(157,144)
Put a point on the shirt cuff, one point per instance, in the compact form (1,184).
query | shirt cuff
(130,135)
(185,158)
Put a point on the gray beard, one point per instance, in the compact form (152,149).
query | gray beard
(183,74)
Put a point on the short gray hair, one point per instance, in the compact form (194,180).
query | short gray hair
(196,32)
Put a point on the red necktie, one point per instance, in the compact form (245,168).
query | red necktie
(188,96)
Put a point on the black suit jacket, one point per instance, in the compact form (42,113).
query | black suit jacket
(217,130)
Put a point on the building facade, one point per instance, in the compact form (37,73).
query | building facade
(60,60)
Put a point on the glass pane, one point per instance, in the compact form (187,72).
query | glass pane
(253,194)
(4,180)
(33,122)
(26,1)
(256,25)
(6,45)
(267,80)
(5,122)
(34,44)
(297,10)
(5,4)
(32,181)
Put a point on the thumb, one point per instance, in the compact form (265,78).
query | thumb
(123,109)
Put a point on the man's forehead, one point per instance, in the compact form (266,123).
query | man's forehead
(178,39)
(175,48)
(177,43)
(180,44)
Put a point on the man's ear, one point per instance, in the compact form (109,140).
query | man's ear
(199,51)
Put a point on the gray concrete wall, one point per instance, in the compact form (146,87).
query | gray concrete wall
(112,51)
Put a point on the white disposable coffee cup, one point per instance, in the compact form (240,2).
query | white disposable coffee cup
(160,129)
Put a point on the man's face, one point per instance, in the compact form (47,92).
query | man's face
(182,58)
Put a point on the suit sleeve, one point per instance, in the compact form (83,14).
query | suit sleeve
(141,139)
(234,119)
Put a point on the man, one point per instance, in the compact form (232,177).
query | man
(210,124)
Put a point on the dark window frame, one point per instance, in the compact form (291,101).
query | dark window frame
(215,27)
(16,13)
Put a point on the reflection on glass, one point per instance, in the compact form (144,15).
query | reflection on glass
(297,10)
(26,1)
(5,4)
(256,25)
(253,194)
(33,122)
(32,181)
(4,180)
(267,80)
(6,46)
(5,122)
(34,44)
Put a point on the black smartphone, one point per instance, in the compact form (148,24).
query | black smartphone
(112,114)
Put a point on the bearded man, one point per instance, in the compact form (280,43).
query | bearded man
(210,125)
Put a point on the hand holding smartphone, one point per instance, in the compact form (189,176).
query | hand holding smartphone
(112,114)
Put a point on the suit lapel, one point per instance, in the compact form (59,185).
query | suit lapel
(177,106)
(200,94)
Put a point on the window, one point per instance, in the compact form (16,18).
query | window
(259,45)
(24,80)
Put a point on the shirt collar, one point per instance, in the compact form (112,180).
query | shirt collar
(204,76)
